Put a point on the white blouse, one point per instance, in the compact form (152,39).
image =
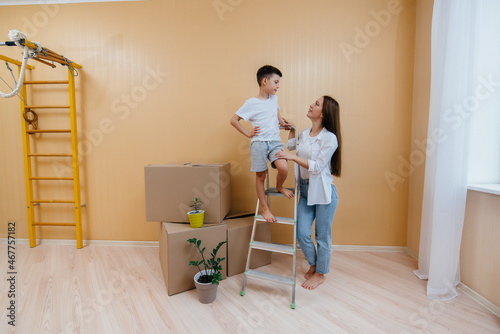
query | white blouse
(305,153)
(321,149)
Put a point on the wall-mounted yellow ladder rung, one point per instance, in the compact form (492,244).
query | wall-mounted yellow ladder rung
(46,82)
(50,155)
(51,178)
(50,131)
(52,201)
(49,107)
(53,224)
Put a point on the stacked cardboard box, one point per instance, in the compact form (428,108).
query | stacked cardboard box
(169,190)
(176,252)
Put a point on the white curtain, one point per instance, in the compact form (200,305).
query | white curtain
(463,134)
(484,157)
(453,81)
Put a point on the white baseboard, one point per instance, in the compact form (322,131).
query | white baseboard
(355,248)
(480,299)
(85,242)
(340,248)
(411,253)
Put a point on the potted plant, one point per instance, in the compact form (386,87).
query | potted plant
(209,272)
(196,215)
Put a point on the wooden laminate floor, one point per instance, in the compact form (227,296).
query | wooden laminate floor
(120,289)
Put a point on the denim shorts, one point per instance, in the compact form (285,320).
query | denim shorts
(261,151)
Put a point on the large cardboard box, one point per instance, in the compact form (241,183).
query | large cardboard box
(239,232)
(176,252)
(170,188)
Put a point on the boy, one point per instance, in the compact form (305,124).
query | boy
(263,112)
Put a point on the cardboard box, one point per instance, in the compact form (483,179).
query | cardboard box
(239,232)
(176,252)
(170,188)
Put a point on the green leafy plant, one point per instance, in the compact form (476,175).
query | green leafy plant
(196,205)
(210,264)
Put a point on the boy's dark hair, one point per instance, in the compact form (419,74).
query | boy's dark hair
(267,71)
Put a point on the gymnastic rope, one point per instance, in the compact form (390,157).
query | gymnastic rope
(16,36)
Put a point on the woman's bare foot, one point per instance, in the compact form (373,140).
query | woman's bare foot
(287,192)
(314,281)
(310,272)
(268,216)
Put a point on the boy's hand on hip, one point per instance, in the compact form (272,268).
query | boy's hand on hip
(255,131)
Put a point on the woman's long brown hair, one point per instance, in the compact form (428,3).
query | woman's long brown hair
(331,121)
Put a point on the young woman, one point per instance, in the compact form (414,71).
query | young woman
(318,159)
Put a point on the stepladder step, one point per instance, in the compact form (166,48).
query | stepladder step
(275,192)
(269,277)
(279,220)
(273,247)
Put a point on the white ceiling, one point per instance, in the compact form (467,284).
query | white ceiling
(38,2)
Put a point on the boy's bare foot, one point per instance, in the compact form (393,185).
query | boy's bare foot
(268,216)
(310,272)
(287,192)
(314,281)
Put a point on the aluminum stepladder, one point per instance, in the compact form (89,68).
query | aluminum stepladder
(274,247)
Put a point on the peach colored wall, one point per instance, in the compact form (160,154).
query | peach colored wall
(479,261)
(420,119)
(161,80)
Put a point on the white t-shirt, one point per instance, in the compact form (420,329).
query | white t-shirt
(262,113)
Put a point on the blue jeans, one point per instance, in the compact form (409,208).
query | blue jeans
(323,213)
